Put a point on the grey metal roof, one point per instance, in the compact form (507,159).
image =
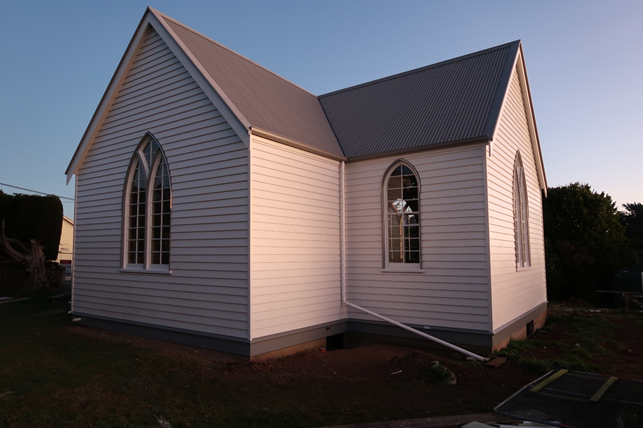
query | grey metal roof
(448,102)
(266,100)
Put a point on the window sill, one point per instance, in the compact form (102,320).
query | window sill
(147,271)
(522,269)
(395,269)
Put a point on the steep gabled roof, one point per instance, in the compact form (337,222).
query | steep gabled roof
(266,100)
(453,101)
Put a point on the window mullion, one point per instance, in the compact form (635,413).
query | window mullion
(148,214)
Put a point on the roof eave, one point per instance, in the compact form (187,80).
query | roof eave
(533,129)
(294,143)
(483,139)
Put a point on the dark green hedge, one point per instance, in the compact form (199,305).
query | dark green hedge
(33,217)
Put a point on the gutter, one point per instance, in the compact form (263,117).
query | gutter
(342,175)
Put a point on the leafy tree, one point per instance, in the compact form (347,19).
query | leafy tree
(585,241)
(632,219)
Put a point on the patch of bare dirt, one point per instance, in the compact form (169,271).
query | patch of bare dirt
(392,377)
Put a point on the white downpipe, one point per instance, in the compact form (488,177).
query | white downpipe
(343,278)
(418,332)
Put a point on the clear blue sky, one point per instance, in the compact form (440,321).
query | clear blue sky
(584,61)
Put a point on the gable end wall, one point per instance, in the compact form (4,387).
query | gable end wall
(514,292)
(207,290)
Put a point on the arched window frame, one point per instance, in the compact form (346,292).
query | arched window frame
(149,258)
(521,215)
(406,261)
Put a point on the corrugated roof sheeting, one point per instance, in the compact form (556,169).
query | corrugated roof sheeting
(266,100)
(446,102)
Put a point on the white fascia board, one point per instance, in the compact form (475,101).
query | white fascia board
(107,99)
(207,84)
(531,121)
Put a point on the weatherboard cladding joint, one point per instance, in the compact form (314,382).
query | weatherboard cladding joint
(277,196)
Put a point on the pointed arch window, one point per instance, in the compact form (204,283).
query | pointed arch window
(402,216)
(148,203)
(521,215)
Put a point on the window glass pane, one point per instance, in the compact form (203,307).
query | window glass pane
(394,194)
(411,231)
(141,181)
(521,222)
(156,207)
(411,219)
(412,257)
(403,232)
(395,220)
(395,182)
(410,193)
(409,181)
(414,244)
(395,257)
(149,152)
(161,215)
(397,206)
(413,205)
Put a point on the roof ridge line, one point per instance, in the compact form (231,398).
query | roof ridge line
(167,18)
(419,69)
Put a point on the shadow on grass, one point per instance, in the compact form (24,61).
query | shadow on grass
(589,333)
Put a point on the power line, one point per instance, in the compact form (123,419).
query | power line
(36,191)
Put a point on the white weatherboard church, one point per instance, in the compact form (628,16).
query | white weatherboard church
(222,206)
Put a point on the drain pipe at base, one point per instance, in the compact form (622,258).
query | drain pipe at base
(359,308)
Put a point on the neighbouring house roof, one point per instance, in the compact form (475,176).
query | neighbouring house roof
(452,101)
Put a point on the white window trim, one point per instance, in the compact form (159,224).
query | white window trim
(388,267)
(150,173)
(521,216)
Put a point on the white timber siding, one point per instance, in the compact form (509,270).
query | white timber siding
(295,257)
(453,290)
(514,292)
(207,290)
